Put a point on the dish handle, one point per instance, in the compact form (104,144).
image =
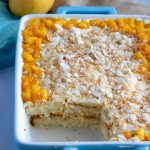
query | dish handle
(86,10)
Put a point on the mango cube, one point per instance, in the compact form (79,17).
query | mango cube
(26,95)
(140,134)
(27,57)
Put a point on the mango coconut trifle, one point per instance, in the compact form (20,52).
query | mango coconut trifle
(88,73)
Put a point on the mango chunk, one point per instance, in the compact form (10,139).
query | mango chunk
(127,134)
(29,40)
(147,136)
(139,55)
(83,24)
(26,95)
(36,70)
(140,134)
(27,67)
(43,94)
(27,57)
(95,22)
(35,92)
(25,85)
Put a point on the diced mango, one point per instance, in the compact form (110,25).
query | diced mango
(25,46)
(36,55)
(34,22)
(112,24)
(27,33)
(140,134)
(36,70)
(40,32)
(68,26)
(61,21)
(38,43)
(26,95)
(120,22)
(25,85)
(139,23)
(147,136)
(29,40)
(148,31)
(83,24)
(35,92)
(43,94)
(103,24)
(128,29)
(29,50)
(144,64)
(49,23)
(27,57)
(148,58)
(73,21)
(95,22)
(27,67)
(127,134)
(131,22)
(143,37)
(139,55)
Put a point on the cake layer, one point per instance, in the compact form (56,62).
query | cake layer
(71,122)
(57,108)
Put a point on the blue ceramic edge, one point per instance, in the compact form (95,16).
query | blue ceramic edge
(86,10)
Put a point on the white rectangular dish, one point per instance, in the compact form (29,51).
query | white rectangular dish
(29,137)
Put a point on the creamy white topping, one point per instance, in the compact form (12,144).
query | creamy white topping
(96,67)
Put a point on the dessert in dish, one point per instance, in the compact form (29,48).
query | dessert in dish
(88,73)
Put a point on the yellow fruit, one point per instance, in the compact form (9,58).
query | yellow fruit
(120,22)
(127,134)
(27,67)
(127,29)
(29,40)
(147,136)
(131,22)
(35,22)
(23,7)
(73,21)
(103,24)
(26,95)
(144,64)
(112,24)
(36,70)
(36,55)
(83,24)
(43,94)
(139,55)
(38,43)
(95,22)
(25,85)
(68,26)
(27,57)
(35,92)
(49,23)
(40,32)
(143,37)
(61,21)
(29,50)
(140,134)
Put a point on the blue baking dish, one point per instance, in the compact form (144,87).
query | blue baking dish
(29,138)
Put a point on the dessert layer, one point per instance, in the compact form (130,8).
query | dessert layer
(71,122)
